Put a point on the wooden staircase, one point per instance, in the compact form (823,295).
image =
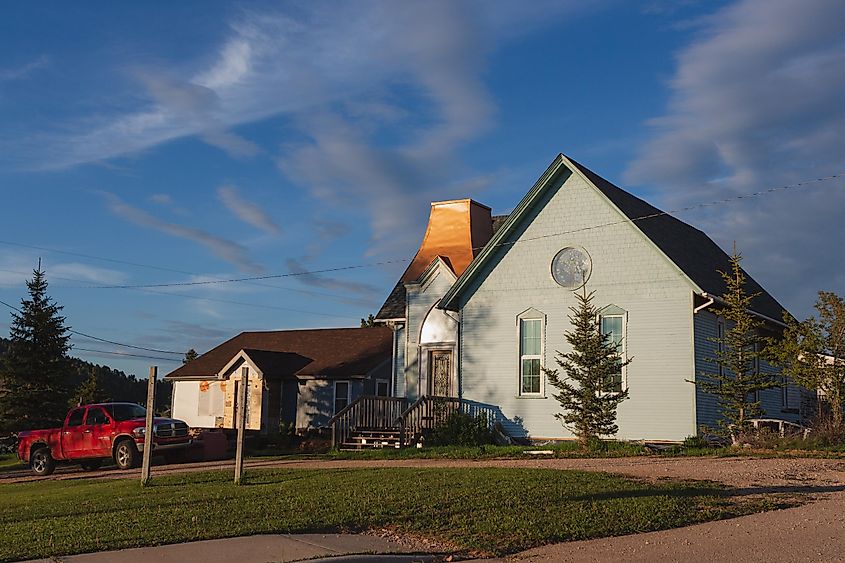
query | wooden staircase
(390,422)
(371,438)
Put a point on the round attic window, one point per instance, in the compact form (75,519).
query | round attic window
(571,267)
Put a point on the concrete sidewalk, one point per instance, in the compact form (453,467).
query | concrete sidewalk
(255,549)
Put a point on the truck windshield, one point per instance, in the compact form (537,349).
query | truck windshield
(126,412)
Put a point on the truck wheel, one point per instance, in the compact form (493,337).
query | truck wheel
(126,455)
(91,464)
(41,462)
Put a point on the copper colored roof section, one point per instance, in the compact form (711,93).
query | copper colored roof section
(457,230)
(328,352)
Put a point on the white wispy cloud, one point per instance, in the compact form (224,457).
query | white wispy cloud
(324,281)
(20,72)
(756,102)
(16,268)
(247,211)
(334,69)
(84,272)
(228,250)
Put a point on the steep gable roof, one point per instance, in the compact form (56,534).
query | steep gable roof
(692,251)
(476,227)
(330,352)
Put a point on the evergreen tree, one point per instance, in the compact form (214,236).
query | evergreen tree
(34,374)
(589,406)
(190,356)
(812,352)
(370,321)
(738,383)
(91,390)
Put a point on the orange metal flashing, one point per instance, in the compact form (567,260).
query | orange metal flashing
(457,230)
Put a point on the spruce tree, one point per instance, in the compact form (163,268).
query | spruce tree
(190,356)
(812,353)
(584,392)
(738,383)
(91,390)
(34,386)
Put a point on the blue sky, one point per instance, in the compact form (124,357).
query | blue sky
(163,142)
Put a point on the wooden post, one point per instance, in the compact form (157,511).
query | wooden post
(241,424)
(148,427)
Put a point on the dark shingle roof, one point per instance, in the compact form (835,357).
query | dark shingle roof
(690,249)
(394,305)
(498,221)
(330,352)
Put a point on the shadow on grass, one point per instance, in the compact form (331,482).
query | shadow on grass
(688,492)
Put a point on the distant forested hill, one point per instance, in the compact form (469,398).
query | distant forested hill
(115,384)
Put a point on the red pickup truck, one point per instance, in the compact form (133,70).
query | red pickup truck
(92,433)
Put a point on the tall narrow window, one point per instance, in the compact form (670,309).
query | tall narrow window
(530,353)
(341,395)
(612,326)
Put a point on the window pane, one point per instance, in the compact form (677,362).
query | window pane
(96,416)
(612,326)
(531,329)
(75,418)
(531,375)
(341,395)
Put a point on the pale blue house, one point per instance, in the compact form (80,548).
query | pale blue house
(484,306)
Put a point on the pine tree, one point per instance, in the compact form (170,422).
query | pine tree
(738,383)
(190,356)
(35,370)
(812,352)
(589,406)
(91,390)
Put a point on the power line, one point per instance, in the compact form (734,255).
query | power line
(161,268)
(197,297)
(725,201)
(250,278)
(92,257)
(127,354)
(97,338)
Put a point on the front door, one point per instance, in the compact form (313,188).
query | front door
(440,373)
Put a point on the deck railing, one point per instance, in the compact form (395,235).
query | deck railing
(366,412)
(429,412)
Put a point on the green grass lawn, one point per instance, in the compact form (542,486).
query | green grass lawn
(567,449)
(486,510)
(10,462)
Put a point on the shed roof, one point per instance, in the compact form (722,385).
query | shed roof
(328,352)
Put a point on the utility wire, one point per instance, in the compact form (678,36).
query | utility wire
(197,297)
(250,278)
(97,338)
(725,201)
(161,268)
(127,354)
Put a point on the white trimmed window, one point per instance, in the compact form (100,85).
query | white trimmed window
(613,325)
(341,395)
(530,356)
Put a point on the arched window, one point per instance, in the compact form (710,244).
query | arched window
(438,327)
